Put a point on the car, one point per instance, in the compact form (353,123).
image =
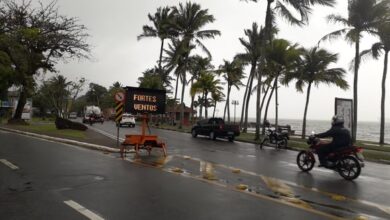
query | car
(127,120)
(73,115)
(215,128)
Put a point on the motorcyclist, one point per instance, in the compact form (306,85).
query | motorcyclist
(341,137)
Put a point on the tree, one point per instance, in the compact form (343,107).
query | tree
(363,16)
(383,46)
(163,28)
(251,56)
(190,20)
(314,69)
(198,65)
(281,7)
(35,39)
(207,83)
(150,79)
(281,57)
(233,74)
(217,96)
(95,94)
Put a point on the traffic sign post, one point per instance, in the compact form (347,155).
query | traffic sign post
(119,98)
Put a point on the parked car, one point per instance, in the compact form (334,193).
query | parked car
(92,111)
(215,128)
(127,120)
(73,115)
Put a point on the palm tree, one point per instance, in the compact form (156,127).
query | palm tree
(234,72)
(163,28)
(281,7)
(363,16)
(190,20)
(251,56)
(207,83)
(198,65)
(313,70)
(281,57)
(376,51)
(217,96)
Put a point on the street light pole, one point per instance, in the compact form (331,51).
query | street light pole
(235,103)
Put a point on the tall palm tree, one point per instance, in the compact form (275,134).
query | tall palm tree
(281,7)
(251,56)
(363,16)
(281,57)
(233,74)
(207,83)
(376,51)
(313,70)
(163,28)
(190,20)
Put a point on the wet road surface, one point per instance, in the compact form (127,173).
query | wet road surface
(200,179)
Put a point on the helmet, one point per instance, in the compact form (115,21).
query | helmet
(337,120)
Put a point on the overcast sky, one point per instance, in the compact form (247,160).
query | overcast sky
(118,56)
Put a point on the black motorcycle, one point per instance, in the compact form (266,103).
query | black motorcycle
(275,138)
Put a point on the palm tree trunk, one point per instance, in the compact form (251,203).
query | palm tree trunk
(267,37)
(201,106)
(215,106)
(265,95)
(266,109)
(177,85)
(262,105)
(305,113)
(161,52)
(253,70)
(228,103)
(182,104)
(355,89)
(244,100)
(382,129)
(258,112)
(205,105)
(276,104)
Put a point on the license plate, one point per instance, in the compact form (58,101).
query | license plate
(230,133)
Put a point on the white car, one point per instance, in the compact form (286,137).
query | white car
(127,120)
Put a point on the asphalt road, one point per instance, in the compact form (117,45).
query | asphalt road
(200,179)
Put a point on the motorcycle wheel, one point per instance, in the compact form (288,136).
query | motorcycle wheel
(349,168)
(282,143)
(305,161)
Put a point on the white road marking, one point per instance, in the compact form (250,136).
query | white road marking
(105,133)
(87,213)
(9,164)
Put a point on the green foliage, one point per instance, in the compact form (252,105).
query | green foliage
(95,94)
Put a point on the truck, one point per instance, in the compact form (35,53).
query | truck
(215,128)
(94,111)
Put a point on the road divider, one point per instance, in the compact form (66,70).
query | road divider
(84,211)
(9,164)
(63,140)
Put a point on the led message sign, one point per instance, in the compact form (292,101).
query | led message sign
(140,100)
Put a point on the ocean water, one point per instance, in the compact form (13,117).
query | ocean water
(368,131)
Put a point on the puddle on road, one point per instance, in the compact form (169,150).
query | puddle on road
(310,199)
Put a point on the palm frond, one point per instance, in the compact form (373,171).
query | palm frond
(333,35)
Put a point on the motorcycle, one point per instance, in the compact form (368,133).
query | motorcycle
(347,161)
(278,139)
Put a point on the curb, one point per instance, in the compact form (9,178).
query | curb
(63,140)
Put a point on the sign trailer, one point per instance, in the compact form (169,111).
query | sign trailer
(140,101)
